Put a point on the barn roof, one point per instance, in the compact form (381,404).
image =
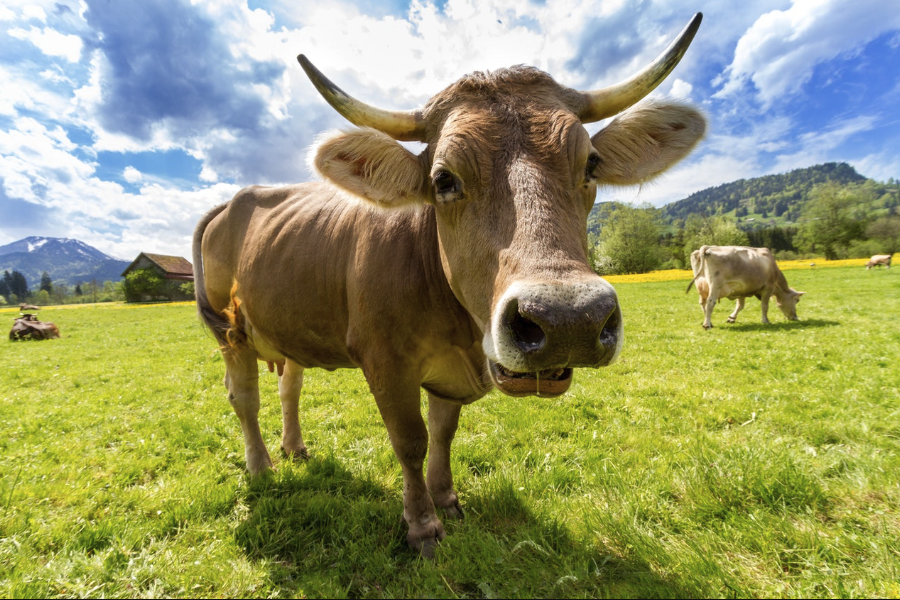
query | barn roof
(174,267)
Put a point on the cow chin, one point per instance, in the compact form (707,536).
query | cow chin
(548,383)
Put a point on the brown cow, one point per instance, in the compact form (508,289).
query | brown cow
(457,270)
(879,260)
(737,272)
(27,327)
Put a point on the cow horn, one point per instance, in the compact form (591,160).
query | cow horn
(406,126)
(612,100)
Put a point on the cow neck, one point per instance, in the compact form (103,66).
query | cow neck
(440,293)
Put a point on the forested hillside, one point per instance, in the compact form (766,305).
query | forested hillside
(779,197)
(826,210)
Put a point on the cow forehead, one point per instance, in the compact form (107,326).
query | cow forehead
(515,85)
(484,138)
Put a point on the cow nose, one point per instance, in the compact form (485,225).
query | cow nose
(527,334)
(551,325)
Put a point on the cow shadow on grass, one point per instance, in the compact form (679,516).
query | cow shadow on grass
(780,325)
(323,531)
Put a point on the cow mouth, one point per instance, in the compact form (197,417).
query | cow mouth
(548,383)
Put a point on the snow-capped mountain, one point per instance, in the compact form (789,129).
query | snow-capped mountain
(56,246)
(66,260)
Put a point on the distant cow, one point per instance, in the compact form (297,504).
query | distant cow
(24,307)
(879,260)
(27,327)
(736,272)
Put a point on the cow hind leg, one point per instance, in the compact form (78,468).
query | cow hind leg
(710,306)
(290,383)
(738,307)
(443,419)
(242,381)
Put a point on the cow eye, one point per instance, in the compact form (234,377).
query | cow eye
(446,186)
(592,167)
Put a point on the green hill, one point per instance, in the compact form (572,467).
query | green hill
(779,196)
(769,201)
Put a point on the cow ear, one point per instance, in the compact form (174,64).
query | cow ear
(646,140)
(369,164)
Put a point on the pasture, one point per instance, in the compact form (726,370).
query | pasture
(748,460)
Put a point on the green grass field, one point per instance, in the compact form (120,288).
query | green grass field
(748,460)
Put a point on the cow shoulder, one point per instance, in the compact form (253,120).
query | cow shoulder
(646,140)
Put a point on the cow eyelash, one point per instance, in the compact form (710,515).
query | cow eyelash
(446,187)
(590,169)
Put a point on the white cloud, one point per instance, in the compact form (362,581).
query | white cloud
(681,90)
(881,166)
(33,11)
(819,146)
(51,42)
(159,218)
(397,61)
(132,175)
(208,174)
(706,170)
(779,52)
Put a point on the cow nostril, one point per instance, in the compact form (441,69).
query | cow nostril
(527,335)
(610,329)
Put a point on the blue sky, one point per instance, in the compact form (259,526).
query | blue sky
(123,121)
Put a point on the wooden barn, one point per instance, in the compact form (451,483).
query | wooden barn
(171,275)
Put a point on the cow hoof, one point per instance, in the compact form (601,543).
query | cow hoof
(730,320)
(454,511)
(427,549)
(425,538)
(258,467)
(707,327)
(296,454)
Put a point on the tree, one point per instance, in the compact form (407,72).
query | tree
(93,289)
(711,231)
(629,240)
(829,220)
(78,291)
(43,298)
(5,291)
(46,283)
(886,231)
(18,285)
(60,291)
(143,282)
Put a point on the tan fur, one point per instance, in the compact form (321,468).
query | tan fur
(433,298)
(879,260)
(646,140)
(236,335)
(736,273)
(371,165)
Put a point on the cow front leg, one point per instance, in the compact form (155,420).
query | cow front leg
(764,304)
(290,383)
(400,409)
(739,306)
(443,419)
(242,380)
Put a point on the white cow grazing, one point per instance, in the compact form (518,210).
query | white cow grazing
(879,260)
(736,272)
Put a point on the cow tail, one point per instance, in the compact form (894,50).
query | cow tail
(691,284)
(700,269)
(225,326)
